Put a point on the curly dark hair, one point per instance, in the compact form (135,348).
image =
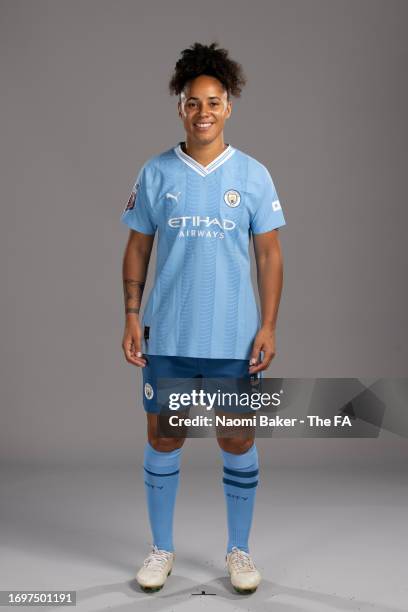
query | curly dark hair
(207,59)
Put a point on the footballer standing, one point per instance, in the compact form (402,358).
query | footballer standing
(206,199)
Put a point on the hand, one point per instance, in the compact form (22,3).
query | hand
(132,343)
(265,342)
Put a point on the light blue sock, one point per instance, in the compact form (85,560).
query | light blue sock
(240,481)
(161,472)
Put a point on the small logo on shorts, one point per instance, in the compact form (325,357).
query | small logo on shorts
(232,198)
(148,391)
(276,205)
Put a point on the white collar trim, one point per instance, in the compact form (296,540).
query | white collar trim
(199,168)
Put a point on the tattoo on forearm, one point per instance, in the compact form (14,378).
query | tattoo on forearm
(133,292)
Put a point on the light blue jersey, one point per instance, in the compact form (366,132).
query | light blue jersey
(202,303)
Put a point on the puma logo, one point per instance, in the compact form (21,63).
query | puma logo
(236,496)
(153,486)
(172,195)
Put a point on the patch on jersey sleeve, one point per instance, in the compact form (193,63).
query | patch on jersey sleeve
(132,198)
(276,205)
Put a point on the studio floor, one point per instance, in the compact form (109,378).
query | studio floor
(324,540)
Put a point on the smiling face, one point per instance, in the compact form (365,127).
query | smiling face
(204,108)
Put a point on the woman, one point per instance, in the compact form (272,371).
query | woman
(206,199)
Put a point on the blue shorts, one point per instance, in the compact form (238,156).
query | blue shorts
(165,366)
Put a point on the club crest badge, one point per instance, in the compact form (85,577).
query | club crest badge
(148,391)
(232,198)
(132,198)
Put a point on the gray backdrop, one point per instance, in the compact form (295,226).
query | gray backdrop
(85,103)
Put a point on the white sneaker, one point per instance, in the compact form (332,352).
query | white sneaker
(244,575)
(155,569)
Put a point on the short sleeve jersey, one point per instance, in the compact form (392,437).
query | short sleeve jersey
(202,303)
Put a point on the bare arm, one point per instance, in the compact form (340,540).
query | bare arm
(134,272)
(270,280)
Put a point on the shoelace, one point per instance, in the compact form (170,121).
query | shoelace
(241,560)
(157,557)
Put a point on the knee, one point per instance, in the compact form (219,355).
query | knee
(236,446)
(165,445)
